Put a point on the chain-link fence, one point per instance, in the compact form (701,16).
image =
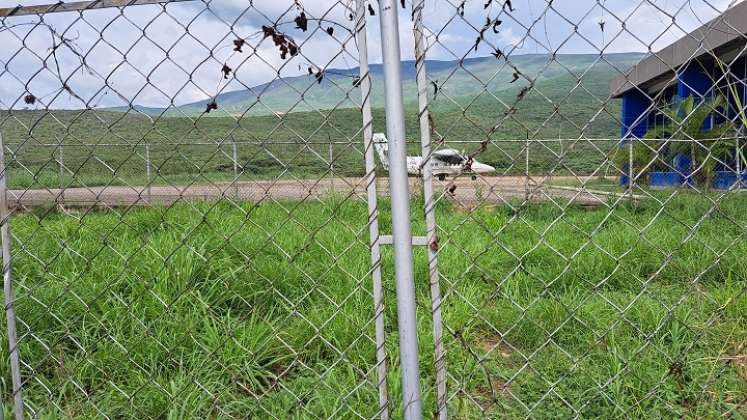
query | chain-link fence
(205,218)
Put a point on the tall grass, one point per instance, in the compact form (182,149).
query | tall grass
(211,309)
(200,150)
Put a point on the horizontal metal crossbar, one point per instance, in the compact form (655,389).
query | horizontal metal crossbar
(77,6)
(416,240)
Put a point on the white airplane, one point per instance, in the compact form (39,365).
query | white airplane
(443,162)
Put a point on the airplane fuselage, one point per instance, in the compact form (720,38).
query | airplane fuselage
(441,169)
(442,163)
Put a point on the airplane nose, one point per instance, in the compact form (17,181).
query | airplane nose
(482,168)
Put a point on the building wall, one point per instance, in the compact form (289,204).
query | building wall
(639,109)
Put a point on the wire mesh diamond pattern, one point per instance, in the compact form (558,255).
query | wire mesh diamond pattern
(616,308)
(196,209)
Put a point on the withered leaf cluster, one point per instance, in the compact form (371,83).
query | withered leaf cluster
(494,25)
(318,74)
(285,44)
(506,4)
(302,22)
(226,71)
(211,106)
(523,92)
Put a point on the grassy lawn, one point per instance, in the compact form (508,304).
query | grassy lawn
(212,310)
(200,149)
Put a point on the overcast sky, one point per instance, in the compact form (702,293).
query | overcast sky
(154,55)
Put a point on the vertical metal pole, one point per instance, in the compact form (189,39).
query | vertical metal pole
(526,169)
(147,171)
(738,155)
(430,217)
(331,166)
(373,209)
(560,140)
(400,196)
(235,156)
(630,168)
(10,313)
(60,161)
(61,166)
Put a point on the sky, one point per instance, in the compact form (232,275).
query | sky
(160,55)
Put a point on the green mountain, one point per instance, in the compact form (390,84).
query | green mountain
(475,101)
(458,82)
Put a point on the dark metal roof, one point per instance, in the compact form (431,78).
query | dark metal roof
(719,36)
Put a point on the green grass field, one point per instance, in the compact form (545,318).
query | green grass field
(475,103)
(179,153)
(212,310)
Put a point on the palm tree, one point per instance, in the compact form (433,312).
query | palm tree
(685,119)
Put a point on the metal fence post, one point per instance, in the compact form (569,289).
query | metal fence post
(331,166)
(430,217)
(526,169)
(401,229)
(738,156)
(10,314)
(630,168)
(60,160)
(234,156)
(148,171)
(373,209)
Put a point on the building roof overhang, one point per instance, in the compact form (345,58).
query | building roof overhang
(723,37)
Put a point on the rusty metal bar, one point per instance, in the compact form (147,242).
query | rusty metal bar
(373,210)
(431,240)
(10,314)
(78,6)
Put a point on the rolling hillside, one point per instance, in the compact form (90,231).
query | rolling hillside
(457,84)
(474,102)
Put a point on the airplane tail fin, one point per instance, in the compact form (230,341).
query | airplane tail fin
(382,148)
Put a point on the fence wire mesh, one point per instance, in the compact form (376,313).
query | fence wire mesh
(195,306)
(626,309)
(195,204)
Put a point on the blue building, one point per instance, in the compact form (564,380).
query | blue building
(707,71)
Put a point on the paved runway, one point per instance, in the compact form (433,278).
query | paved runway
(464,191)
